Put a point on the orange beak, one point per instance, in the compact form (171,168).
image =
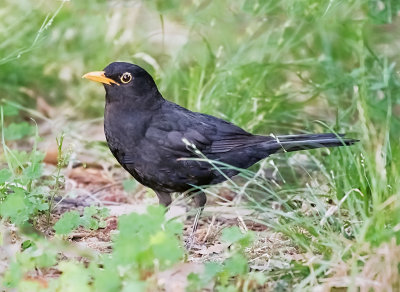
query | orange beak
(99,76)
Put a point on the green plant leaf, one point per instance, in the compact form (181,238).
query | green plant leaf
(236,265)
(33,171)
(134,286)
(74,277)
(26,244)
(16,207)
(5,174)
(10,110)
(17,131)
(93,217)
(46,259)
(232,234)
(12,276)
(107,279)
(68,222)
(211,269)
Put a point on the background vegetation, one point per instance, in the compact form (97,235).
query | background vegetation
(269,66)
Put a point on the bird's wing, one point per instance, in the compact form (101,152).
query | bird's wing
(208,134)
(236,142)
(172,130)
(225,136)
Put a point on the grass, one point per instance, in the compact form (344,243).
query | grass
(269,66)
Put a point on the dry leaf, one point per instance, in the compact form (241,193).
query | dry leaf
(213,249)
(175,279)
(229,212)
(51,154)
(89,176)
(43,107)
(124,209)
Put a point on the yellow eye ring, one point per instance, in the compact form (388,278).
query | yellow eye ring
(126,77)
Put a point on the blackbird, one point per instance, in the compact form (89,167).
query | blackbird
(158,141)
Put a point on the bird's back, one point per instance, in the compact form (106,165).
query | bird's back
(220,141)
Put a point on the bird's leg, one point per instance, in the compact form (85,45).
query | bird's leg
(164,198)
(200,200)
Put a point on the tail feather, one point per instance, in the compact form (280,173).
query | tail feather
(290,143)
(300,137)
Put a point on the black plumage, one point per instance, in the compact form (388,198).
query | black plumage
(146,134)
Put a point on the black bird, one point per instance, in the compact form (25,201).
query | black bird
(155,140)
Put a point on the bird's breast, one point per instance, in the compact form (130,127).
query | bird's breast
(123,129)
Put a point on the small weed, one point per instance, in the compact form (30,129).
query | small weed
(140,250)
(21,197)
(233,274)
(93,218)
(62,161)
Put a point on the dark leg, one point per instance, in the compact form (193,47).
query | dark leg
(164,198)
(200,200)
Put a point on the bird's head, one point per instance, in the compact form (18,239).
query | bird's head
(123,80)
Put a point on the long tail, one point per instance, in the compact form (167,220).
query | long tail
(309,141)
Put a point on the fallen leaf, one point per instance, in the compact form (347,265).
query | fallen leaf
(227,194)
(229,212)
(114,195)
(51,154)
(43,107)
(124,209)
(213,249)
(175,279)
(89,176)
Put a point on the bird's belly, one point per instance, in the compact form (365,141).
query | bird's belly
(170,178)
(150,169)
(169,174)
(156,167)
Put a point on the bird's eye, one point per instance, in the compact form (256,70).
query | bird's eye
(126,77)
